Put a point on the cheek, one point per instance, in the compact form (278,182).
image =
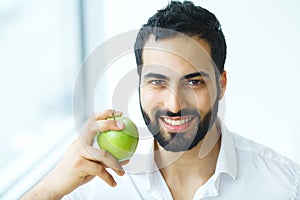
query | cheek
(205,104)
(202,100)
(149,99)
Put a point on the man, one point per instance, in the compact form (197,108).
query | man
(180,55)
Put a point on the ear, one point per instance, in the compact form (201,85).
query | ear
(223,83)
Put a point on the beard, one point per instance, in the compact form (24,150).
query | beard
(185,140)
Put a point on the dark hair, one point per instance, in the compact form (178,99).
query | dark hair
(188,19)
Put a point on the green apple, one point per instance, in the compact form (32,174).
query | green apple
(121,144)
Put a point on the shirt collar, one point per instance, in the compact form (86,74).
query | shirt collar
(226,164)
(227,159)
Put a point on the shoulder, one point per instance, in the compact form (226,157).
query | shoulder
(263,166)
(254,150)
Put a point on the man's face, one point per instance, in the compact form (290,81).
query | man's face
(178,92)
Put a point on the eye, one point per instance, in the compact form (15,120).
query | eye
(196,82)
(158,82)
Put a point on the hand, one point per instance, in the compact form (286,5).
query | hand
(82,162)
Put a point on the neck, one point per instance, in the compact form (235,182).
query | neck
(199,161)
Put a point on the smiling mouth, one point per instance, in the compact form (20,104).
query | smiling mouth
(176,124)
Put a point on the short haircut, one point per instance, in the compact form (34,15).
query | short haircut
(188,19)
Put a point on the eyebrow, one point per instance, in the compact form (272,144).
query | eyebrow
(154,75)
(195,74)
(188,76)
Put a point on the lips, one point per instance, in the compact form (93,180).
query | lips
(176,124)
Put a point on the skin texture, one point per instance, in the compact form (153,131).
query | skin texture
(171,85)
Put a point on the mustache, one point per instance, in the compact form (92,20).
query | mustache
(181,113)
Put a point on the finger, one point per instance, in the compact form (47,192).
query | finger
(121,173)
(105,125)
(96,169)
(102,156)
(124,162)
(106,114)
(92,128)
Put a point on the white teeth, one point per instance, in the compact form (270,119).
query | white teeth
(177,122)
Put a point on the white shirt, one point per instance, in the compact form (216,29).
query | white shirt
(245,171)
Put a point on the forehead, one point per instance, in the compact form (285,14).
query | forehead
(181,54)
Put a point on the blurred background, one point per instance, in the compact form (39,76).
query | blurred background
(43,44)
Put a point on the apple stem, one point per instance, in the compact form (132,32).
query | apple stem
(113,115)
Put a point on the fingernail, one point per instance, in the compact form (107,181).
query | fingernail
(121,173)
(120,124)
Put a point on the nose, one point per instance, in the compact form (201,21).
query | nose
(174,100)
